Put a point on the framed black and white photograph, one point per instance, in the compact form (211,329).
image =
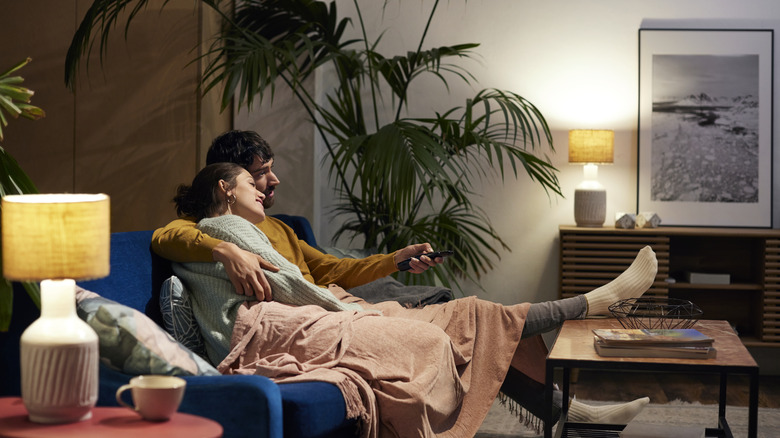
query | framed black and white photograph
(705,126)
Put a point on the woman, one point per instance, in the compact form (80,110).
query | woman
(427,371)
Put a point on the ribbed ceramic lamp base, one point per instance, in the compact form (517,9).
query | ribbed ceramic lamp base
(59,359)
(59,382)
(590,207)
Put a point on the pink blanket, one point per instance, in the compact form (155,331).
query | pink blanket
(431,371)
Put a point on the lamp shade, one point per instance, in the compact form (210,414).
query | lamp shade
(591,146)
(55,236)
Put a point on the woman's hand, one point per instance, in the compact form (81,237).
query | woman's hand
(419,263)
(245,270)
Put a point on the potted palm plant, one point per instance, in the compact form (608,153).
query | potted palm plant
(14,102)
(399,178)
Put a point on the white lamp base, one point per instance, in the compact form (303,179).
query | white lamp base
(59,359)
(590,207)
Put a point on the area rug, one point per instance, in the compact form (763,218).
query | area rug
(501,423)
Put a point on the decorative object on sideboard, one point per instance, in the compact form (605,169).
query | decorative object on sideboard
(590,147)
(708,277)
(648,219)
(625,220)
(57,239)
(655,313)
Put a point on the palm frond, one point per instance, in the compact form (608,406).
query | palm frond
(99,21)
(267,40)
(399,71)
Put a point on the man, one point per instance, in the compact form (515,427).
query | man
(180,241)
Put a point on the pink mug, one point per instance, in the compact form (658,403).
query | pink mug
(155,398)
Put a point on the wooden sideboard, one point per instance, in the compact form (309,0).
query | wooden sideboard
(590,257)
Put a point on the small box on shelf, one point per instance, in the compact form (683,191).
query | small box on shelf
(707,278)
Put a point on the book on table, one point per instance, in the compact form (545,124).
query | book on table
(671,343)
(660,350)
(677,337)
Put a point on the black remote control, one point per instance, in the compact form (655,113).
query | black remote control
(404,265)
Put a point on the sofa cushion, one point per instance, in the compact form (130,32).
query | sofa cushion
(132,343)
(178,317)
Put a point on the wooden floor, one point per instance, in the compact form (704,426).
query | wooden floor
(666,387)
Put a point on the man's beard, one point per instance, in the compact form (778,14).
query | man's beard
(268,202)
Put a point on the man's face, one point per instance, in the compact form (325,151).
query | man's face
(265,179)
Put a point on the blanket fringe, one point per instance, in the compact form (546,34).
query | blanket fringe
(525,418)
(366,424)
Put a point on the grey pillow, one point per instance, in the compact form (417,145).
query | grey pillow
(178,317)
(388,288)
(132,343)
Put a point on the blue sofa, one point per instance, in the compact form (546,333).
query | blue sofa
(245,406)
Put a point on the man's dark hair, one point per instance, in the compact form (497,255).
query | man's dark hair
(239,147)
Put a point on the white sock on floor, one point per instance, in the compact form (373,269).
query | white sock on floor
(632,283)
(607,414)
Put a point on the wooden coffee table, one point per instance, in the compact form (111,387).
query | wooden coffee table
(105,422)
(573,348)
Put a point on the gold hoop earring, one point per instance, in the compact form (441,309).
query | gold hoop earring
(231,199)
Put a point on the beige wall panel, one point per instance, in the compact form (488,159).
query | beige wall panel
(136,123)
(132,127)
(213,121)
(287,128)
(43,148)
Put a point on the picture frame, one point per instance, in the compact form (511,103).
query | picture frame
(705,129)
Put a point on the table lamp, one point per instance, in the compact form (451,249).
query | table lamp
(57,239)
(590,147)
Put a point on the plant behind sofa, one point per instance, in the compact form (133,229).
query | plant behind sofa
(400,179)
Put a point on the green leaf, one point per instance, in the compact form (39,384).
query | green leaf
(31,112)
(7,300)
(15,68)
(6,304)
(16,93)
(13,180)
(12,80)
(34,291)
(8,105)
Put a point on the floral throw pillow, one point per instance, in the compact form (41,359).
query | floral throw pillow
(132,343)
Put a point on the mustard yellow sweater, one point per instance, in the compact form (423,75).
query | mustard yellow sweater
(181,241)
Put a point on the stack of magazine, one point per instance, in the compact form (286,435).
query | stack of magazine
(673,343)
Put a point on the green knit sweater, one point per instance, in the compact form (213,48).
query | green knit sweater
(214,299)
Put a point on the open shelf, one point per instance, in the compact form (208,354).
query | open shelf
(734,286)
(750,302)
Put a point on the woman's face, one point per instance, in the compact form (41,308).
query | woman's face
(249,201)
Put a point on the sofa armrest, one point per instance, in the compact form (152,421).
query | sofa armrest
(245,406)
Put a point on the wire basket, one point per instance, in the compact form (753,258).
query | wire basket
(655,313)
